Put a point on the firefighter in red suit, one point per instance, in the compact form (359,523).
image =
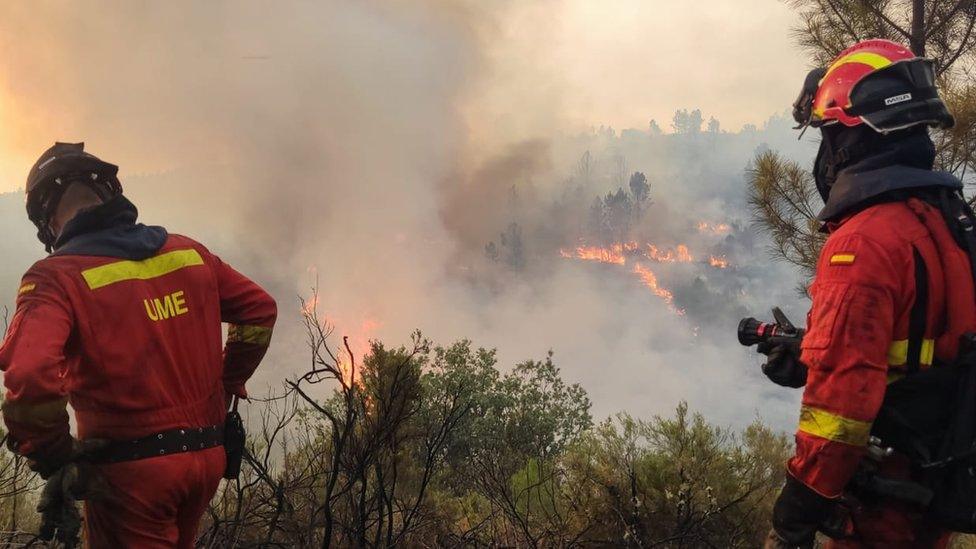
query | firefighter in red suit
(892,293)
(124,322)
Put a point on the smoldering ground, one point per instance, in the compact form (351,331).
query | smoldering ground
(351,145)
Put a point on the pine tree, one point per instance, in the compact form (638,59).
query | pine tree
(511,241)
(687,122)
(640,189)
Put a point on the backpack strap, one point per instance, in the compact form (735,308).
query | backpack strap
(961,222)
(918,315)
(965,219)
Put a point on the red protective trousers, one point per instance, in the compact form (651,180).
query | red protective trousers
(135,346)
(157,502)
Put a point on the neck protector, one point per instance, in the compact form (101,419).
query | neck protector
(110,229)
(842,147)
(853,173)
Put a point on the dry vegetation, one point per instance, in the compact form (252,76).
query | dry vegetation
(435,446)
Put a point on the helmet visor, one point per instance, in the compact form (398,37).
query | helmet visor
(899,96)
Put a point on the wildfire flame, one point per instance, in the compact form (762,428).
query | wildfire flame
(359,345)
(358,340)
(619,253)
(613,254)
(713,228)
(679,254)
(649,279)
(622,253)
(719,262)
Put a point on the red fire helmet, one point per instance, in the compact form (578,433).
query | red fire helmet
(877,82)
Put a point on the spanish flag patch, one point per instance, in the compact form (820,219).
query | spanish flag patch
(29,287)
(842,259)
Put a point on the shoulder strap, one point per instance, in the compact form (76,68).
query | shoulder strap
(918,315)
(965,220)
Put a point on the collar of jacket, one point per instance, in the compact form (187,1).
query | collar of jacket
(110,230)
(866,182)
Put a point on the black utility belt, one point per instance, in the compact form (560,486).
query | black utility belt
(174,441)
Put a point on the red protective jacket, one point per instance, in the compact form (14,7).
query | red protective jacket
(858,329)
(133,345)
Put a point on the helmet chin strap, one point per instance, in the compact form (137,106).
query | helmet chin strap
(821,172)
(839,148)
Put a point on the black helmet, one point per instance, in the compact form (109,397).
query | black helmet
(60,166)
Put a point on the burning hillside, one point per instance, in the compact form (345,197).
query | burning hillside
(634,255)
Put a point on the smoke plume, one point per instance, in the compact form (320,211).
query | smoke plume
(375,149)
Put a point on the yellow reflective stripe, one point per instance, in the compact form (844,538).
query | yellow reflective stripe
(146,269)
(873,60)
(842,259)
(46,414)
(830,426)
(29,287)
(927,356)
(238,333)
(898,352)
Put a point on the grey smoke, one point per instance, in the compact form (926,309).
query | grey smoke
(323,143)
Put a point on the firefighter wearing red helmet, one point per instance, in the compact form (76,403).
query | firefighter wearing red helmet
(892,296)
(123,321)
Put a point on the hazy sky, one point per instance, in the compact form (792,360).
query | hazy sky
(623,62)
(545,66)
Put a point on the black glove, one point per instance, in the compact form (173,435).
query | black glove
(60,518)
(67,449)
(799,512)
(76,480)
(783,366)
(52,456)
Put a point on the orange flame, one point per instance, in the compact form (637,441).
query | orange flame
(618,254)
(358,340)
(614,254)
(359,345)
(679,254)
(719,262)
(713,228)
(649,279)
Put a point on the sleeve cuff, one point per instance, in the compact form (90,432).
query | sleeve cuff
(824,466)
